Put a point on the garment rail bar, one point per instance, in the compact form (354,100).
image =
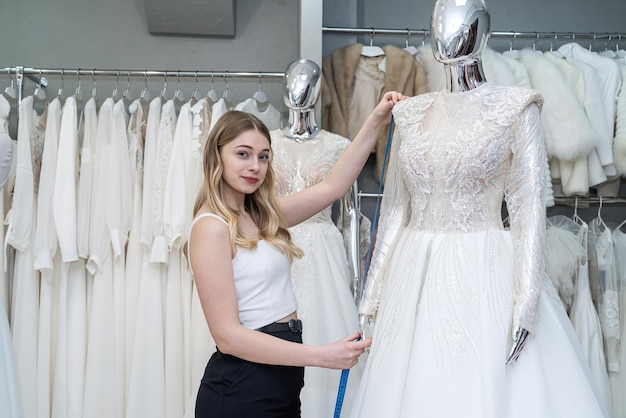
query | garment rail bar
(140,73)
(557,200)
(609,36)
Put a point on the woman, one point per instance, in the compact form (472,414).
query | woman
(239,250)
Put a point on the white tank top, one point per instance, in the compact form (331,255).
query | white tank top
(262,281)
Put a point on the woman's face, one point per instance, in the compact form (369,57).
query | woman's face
(245,160)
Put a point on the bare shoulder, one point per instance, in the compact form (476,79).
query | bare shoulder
(208,227)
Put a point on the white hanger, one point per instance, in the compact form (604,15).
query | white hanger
(372,50)
(179,96)
(621,225)
(227,102)
(78,93)
(126,95)
(211,94)
(259,95)
(145,93)
(10,91)
(409,48)
(94,89)
(194,93)
(115,89)
(618,51)
(164,91)
(60,91)
(40,92)
(575,217)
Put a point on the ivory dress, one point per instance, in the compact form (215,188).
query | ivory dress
(449,285)
(321,278)
(20,236)
(10,398)
(71,346)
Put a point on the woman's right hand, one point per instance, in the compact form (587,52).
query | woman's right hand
(382,112)
(345,353)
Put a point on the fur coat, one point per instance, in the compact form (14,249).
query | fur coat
(403,73)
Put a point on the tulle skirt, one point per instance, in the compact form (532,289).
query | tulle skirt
(443,332)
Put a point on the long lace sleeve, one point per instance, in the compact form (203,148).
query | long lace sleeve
(392,216)
(525,198)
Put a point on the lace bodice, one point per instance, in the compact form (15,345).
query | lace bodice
(299,165)
(454,157)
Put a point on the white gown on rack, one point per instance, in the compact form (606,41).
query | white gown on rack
(47,261)
(69,372)
(618,379)
(566,250)
(198,337)
(146,386)
(134,253)
(102,381)
(321,278)
(9,386)
(21,218)
(175,213)
(449,285)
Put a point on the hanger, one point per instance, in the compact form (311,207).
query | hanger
(227,102)
(60,91)
(145,94)
(40,92)
(179,96)
(409,48)
(212,95)
(618,51)
(94,89)
(164,91)
(619,227)
(599,219)
(552,42)
(575,217)
(126,95)
(372,50)
(260,97)
(78,93)
(591,43)
(512,40)
(10,91)
(194,93)
(115,89)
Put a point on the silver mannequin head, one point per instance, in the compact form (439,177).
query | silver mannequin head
(302,84)
(459,30)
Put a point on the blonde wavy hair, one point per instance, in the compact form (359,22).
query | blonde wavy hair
(262,205)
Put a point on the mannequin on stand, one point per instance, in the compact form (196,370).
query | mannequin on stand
(322,279)
(464,321)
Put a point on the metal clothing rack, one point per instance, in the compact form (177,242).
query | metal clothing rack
(36,74)
(615,36)
(572,201)
(560,201)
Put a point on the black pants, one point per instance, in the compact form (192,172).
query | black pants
(236,388)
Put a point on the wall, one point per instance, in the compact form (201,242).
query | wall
(113,34)
(506,15)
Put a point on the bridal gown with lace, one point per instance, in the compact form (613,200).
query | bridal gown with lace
(321,278)
(449,285)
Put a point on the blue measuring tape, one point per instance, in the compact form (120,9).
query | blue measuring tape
(343,380)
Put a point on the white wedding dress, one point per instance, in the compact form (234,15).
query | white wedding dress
(321,278)
(449,285)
